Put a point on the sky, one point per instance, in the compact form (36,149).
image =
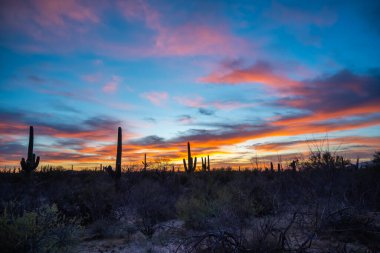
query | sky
(237,79)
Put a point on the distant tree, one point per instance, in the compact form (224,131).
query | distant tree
(376,158)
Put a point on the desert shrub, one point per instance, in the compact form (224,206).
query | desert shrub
(152,203)
(218,206)
(109,228)
(376,158)
(42,230)
(95,200)
(324,159)
(349,225)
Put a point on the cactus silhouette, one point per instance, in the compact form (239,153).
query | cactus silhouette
(203,164)
(192,164)
(145,163)
(206,163)
(31,162)
(271,166)
(117,173)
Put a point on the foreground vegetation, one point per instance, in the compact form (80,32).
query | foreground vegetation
(313,209)
(323,204)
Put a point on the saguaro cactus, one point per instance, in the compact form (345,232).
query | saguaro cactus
(206,163)
(192,164)
(271,166)
(117,173)
(145,163)
(31,162)
(357,163)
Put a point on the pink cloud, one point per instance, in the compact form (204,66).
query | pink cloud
(156,98)
(195,101)
(260,72)
(55,26)
(92,78)
(198,102)
(112,85)
(55,13)
(39,17)
(188,38)
(192,39)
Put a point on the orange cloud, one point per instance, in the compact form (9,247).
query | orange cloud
(261,72)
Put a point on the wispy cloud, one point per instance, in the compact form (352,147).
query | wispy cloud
(203,106)
(260,72)
(156,97)
(112,85)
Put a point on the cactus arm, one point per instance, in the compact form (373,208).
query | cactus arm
(195,164)
(23,163)
(37,162)
(184,164)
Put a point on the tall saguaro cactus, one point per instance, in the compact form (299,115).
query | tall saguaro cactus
(192,164)
(118,155)
(31,162)
(145,163)
(117,173)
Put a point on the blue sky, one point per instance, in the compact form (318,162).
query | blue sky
(235,78)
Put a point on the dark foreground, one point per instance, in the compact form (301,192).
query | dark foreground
(315,210)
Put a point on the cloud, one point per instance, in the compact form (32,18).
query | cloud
(205,111)
(58,18)
(96,128)
(338,144)
(200,103)
(155,97)
(150,119)
(36,79)
(74,25)
(341,94)
(185,119)
(112,85)
(184,38)
(92,78)
(148,140)
(261,72)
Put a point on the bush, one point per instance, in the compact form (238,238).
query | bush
(42,230)
(153,204)
(222,207)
